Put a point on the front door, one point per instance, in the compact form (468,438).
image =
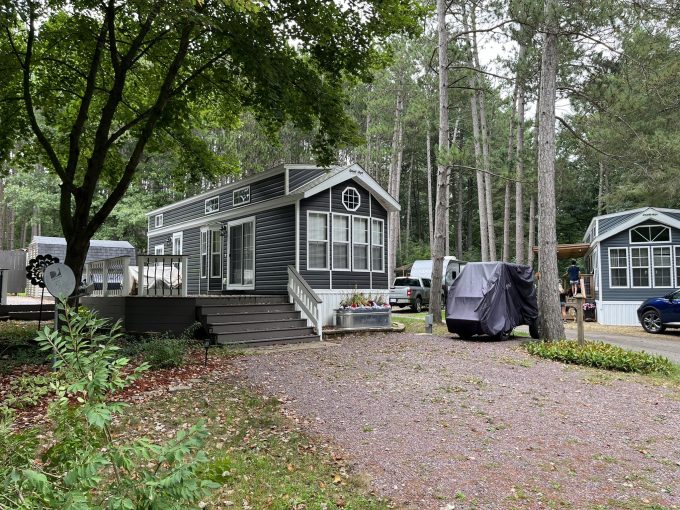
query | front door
(241,254)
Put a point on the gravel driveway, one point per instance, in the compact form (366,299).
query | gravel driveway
(435,422)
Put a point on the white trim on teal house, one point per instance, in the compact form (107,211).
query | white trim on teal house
(652,275)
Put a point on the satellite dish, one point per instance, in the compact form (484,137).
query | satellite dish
(59,280)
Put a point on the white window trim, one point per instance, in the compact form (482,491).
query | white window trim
(328,237)
(367,244)
(202,274)
(159,248)
(212,199)
(649,267)
(233,196)
(653,275)
(348,243)
(342,198)
(676,267)
(215,232)
(382,229)
(609,260)
(250,286)
(180,236)
(630,235)
(158,221)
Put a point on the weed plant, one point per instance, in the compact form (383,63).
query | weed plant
(602,355)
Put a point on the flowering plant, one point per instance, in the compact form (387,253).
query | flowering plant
(588,306)
(360,300)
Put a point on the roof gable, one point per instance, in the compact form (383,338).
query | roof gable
(663,216)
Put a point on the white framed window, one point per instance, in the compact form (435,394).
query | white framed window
(341,242)
(204,253)
(661,259)
(317,240)
(677,266)
(158,221)
(360,258)
(618,268)
(159,249)
(177,242)
(639,266)
(351,199)
(241,196)
(650,234)
(377,245)
(212,205)
(215,254)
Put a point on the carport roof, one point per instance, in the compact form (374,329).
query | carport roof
(569,251)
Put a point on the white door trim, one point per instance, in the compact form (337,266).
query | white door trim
(230,286)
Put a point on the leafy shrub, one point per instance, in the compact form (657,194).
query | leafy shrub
(601,355)
(18,346)
(86,467)
(162,351)
(27,390)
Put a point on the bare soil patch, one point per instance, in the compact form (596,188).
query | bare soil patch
(435,422)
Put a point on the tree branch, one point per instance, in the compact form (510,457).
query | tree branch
(28,100)
(584,141)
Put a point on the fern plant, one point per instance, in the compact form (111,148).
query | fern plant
(86,467)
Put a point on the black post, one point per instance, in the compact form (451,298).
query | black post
(42,296)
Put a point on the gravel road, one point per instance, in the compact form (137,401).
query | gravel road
(439,423)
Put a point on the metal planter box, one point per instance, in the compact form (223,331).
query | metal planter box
(353,318)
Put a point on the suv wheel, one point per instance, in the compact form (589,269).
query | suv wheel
(418,306)
(651,322)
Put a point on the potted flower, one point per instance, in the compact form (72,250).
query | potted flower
(589,311)
(360,311)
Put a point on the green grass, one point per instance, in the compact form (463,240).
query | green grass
(17,346)
(261,459)
(603,355)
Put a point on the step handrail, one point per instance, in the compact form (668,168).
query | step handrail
(305,298)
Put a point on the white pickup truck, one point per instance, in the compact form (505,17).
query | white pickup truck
(413,292)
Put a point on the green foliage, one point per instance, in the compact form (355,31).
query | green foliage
(601,355)
(18,346)
(86,467)
(27,390)
(161,351)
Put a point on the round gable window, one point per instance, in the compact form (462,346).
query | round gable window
(351,199)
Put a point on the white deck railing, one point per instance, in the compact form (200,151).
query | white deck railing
(306,299)
(162,275)
(108,277)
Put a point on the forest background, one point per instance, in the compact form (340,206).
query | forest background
(617,140)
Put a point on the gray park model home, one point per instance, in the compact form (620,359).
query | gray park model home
(330,224)
(633,255)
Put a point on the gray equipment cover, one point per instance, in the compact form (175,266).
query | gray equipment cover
(491,298)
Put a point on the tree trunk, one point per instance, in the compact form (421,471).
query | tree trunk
(429,189)
(506,203)
(11,228)
(459,215)
(519,178)
(448,192)
(393,186)
(408,202)
(532,230)
(600,190)
(486,156)
(368,166)
(481,198)
(548,295)
(3,209)
(24,230)
(442,200)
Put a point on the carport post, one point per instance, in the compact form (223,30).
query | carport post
(579,318)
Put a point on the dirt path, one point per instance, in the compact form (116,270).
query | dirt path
(440,423)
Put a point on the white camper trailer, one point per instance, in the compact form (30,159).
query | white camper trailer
(450,270)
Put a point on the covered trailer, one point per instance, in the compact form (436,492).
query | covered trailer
(492,298)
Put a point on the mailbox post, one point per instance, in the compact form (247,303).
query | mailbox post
(579,318)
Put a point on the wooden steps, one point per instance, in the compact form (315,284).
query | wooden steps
(255,321)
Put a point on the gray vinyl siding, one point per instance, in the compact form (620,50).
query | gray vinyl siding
(342,279)
(299,176)
(607,224)
(274,249)
(622,240)
(265,189)
(190,247)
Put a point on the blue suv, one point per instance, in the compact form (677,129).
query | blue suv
(658,313)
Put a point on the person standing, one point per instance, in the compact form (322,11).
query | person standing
(574,277)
